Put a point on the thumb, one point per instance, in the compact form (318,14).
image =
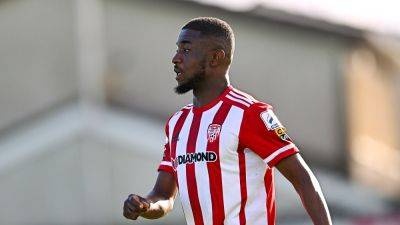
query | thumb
(145,204)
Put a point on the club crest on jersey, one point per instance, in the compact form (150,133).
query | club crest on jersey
(213,132)
(270,120)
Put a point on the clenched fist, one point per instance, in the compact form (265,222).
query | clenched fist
(134,206)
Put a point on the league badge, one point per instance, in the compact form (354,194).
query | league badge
(213,132)
(270,120)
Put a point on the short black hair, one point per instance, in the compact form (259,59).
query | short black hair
(214,27)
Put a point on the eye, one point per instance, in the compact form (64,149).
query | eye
(183,50)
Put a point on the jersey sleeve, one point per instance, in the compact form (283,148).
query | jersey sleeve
(263,134)
(166,164)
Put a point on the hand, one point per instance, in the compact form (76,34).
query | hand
(134,206)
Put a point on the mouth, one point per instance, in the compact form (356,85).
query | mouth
(178,73)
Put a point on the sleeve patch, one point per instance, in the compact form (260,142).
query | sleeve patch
(281,132)
(270,120)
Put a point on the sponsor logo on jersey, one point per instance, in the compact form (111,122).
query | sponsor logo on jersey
(213,132)
(281,132)
(270,120)
(194,157)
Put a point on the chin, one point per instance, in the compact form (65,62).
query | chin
(183,88)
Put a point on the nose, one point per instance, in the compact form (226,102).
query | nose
(176,59)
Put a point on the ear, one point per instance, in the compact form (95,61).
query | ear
(217,58)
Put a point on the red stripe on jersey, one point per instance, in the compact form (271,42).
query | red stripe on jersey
(269,187)
(175,137)
(236,99)
(166,169)
(190,171)
(214,169)
(281,156)
(234,94)
(236,103)
(243,186)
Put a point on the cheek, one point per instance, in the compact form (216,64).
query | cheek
(196,63)
(190,63)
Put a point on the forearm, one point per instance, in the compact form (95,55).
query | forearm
(157,203)
(159,206)
(158,209)
(303,180)
(314,202)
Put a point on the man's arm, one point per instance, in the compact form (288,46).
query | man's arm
(303,180)
(157,203)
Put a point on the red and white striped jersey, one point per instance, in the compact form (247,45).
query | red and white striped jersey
(222,156)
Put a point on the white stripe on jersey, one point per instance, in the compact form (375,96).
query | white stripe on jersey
(181,169)
(229,165)
(188,106)
(202,177)
(256,207)
(279,151)
(237,100)
(240,97)
(239,92)
(166,163)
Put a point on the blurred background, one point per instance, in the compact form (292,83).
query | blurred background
(87,85)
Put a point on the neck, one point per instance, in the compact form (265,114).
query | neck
(208,91)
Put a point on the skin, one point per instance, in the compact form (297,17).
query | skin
(204,67)
(198,58)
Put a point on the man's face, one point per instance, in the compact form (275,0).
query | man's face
(189,60)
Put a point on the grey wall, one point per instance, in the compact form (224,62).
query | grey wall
(37,57)
(296,70)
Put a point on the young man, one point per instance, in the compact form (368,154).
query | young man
(220,151)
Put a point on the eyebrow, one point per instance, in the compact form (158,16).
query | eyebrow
(183,42)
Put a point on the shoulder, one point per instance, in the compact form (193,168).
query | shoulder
(178,113)
(255,111)
(250,103)
(259,107)
(261,115)
(240,99)
(237,92)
